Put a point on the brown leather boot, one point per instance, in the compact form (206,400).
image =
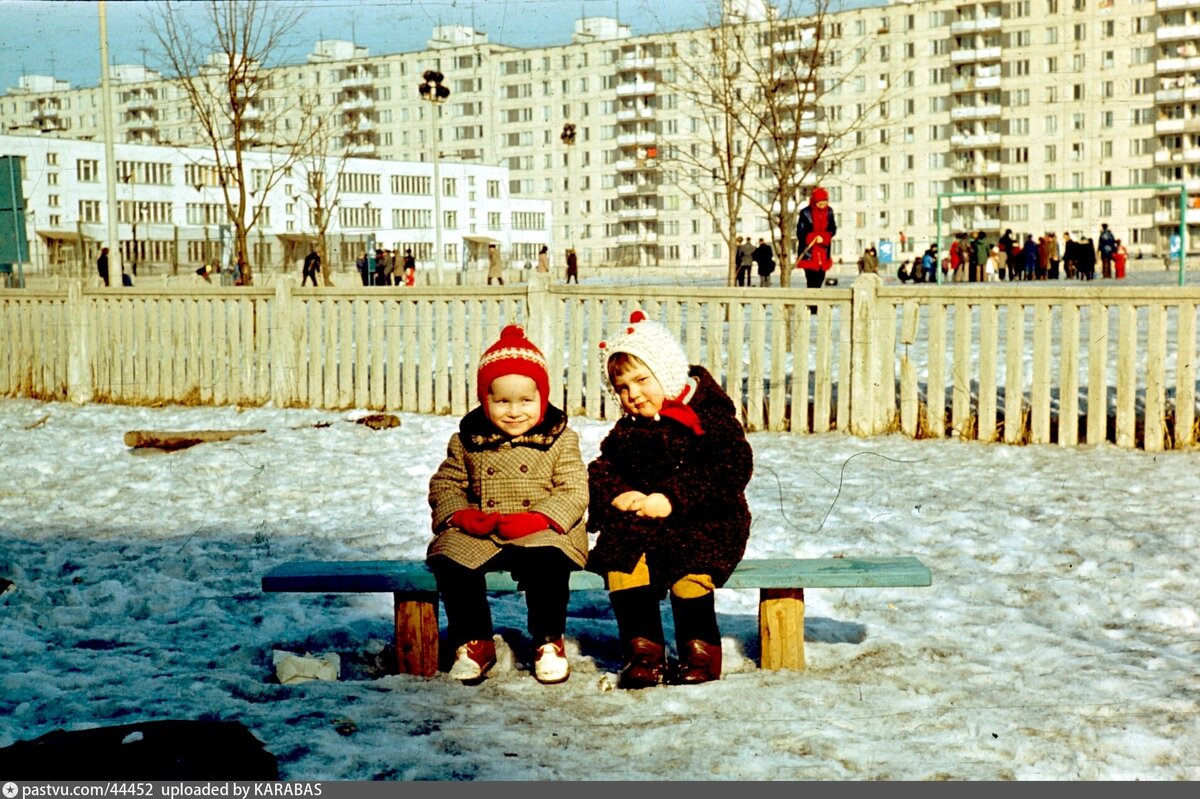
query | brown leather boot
(645,664)
(699,661)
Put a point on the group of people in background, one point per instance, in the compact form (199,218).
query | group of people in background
(382,271)
(973,258)
(760,258)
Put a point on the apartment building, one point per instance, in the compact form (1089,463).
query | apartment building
(940,115)
(171,213)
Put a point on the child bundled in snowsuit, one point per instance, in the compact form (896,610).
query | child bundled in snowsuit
(667,497)
(510,496)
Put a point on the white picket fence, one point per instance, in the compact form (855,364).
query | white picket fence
(1012,362)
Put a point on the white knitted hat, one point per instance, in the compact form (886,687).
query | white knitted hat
(653,345)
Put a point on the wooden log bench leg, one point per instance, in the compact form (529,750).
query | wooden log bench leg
(416,632)
(781,628)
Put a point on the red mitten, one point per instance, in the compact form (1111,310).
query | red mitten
(475,521)
(519,525)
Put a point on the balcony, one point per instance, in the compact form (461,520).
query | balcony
(636,164)
(985,25)
(641,237)
(358,104)
(807,41)
(1171,157)
(975,112)
(977,168)
(358,80)
(140,122)
(975,140)
(1166,66)
(141,103)
(637,213)
(634,62)
(978,55)
(639,139)
(635,89)
(361,149)
(1172,5)
(1171,217)
(796,93)
(1171,33)
(1191,186)
(634,189)
(1168,126)
(634,114)
(1172,96)
(978,83)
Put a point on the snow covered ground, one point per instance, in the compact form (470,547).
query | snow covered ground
(1059,640)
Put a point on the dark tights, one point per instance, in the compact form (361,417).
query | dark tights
(544,574)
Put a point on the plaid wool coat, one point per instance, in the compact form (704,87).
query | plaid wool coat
(541,470)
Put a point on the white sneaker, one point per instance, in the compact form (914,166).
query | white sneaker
(550,664)
(472,660)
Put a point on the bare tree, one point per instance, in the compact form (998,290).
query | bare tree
(763,125)
(323,160)
(714,156)
(221,70)
(799,65)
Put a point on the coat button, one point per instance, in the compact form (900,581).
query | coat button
(524,468)
(491,470)
(491,503)
(524,503)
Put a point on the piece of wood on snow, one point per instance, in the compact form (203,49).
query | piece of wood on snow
(180,439)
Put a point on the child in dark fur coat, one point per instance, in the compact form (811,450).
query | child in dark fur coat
(668,500)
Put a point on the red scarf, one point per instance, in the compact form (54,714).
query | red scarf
(679,410)
(820,219)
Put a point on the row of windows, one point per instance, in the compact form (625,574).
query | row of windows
(151,173)
(158,212)
(358,182)
(412,218)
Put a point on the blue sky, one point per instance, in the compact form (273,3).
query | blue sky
(61,37)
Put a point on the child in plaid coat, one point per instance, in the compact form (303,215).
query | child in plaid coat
(510,496)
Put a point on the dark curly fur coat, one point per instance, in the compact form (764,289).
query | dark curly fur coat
(704,476)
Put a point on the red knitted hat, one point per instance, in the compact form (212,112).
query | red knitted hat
(513,354)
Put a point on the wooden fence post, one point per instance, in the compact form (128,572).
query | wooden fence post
(284,369)
(79,368)
(539,328)
(864,355)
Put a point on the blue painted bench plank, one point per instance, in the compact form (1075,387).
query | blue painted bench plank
(402,576)
(781,583)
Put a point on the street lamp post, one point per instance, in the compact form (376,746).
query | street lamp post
(431,89)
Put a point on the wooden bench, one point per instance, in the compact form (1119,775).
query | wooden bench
(781,583)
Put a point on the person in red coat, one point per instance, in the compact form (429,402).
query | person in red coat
(815,230)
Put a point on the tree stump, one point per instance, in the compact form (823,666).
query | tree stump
(180,439)
(379,421)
